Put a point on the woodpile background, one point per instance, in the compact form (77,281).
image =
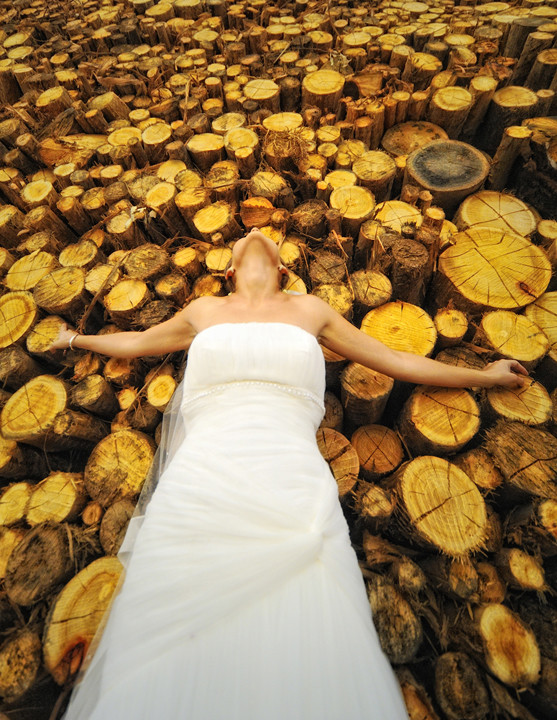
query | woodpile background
(404,155)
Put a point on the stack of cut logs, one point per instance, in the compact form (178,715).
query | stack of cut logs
(404,157)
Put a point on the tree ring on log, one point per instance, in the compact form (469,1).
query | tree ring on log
(443,506)
(488,268)
(496,209)
(449,169)
(67,627)
(18,314)
(437,421)
(31,410)
(404,138)
(401,326)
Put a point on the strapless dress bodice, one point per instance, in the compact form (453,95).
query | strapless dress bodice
(262,357)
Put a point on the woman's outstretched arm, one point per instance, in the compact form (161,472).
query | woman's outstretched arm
(345,339)
(169,336)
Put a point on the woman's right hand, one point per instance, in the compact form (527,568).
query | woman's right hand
(63,338)
(506,373)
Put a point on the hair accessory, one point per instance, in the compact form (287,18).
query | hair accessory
(73,337)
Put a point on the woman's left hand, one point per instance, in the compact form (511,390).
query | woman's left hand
(507,373)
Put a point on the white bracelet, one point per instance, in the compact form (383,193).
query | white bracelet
(73,337)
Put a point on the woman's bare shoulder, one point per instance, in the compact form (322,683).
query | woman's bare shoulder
(316,310)
(197,311)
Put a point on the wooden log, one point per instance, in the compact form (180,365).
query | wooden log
(26,272)
(379,450)
(41,338)
(541,312)
(386,604)
(101,278)
(519,451)
(404,138)
(18,461)
(374,507)
(205,149)
(342,458)
(146,262)
(509,106)
(458,579)
(36,414)
(327,267)
(401,326)
(449,169)
(483,88)
(408,575)
(333,412)
(500,250)
(110,105)
(322,89)
(20,660)
(530,404)
(337,295)
(355,204)
(510,649)
(520,570)
(459,686)
(40,562)
(114,524)
(216,218)
(376,171)
(42,218)
(449,108)
(429,490)
(439,421)
(84,254)
(451,326)
(514,142)
(62,292)
(60,497)
(94,394)
(416,698)
(364,394)
(109,475)
(543,70)
(121,371)
(16,367)
(496,209)
(14,502)
(273,187)
(11,223)
(532,527)
(420,68)
(124,299)
(19,313)
(513,336)
(371,289)
(480,468)
(410,271)
(68,635)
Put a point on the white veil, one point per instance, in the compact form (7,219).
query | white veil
(172,436)
(173,433)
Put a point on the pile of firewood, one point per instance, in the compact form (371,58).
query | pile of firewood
(404,157)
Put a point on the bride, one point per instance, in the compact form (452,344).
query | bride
(243,598)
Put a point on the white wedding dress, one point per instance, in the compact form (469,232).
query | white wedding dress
(243,598)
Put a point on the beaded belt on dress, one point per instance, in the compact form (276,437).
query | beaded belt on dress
(263,383)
